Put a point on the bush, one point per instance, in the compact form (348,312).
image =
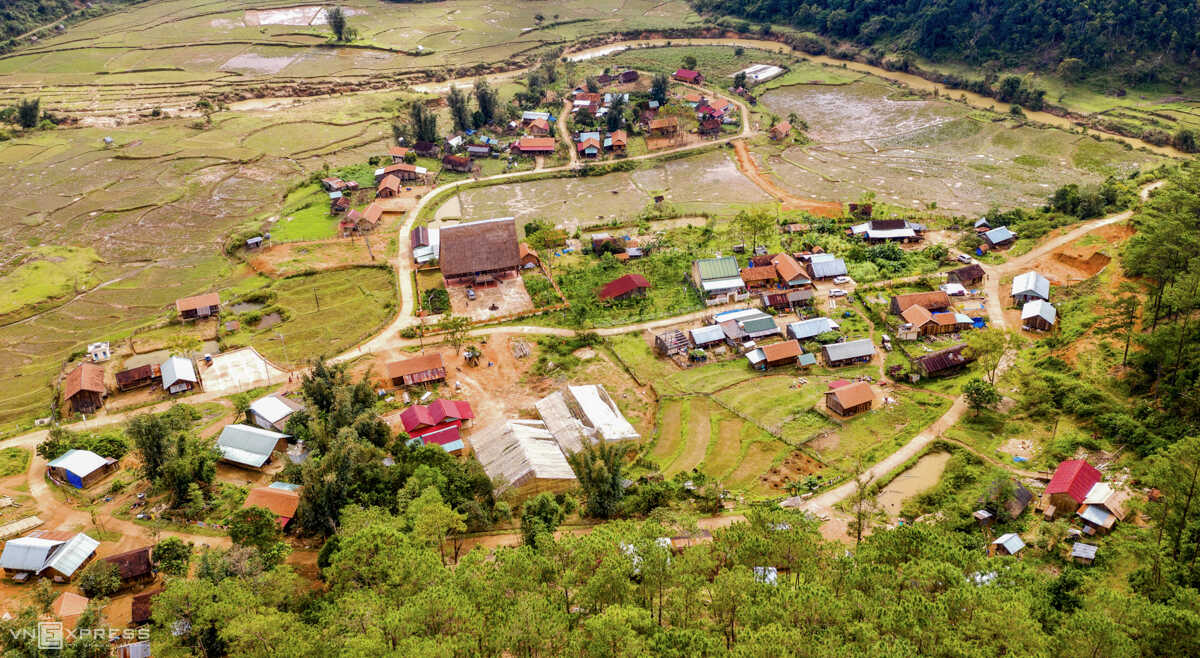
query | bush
(100,578)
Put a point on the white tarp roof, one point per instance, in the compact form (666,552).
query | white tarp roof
(1040,309)
(738,314)
(1011,543)
(1031,283)
(566,429)
(67,559)
(248,445)
(520,449)
(729,283)
(28,553)
(890,234)
(601,413)
(177,368)
(1098,494)
(953,289)
(272,408)
(759,72)
(79,462)
(756,356)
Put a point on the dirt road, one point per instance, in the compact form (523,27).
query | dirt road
(790,202)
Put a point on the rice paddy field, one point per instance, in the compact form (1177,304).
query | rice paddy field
(870,136)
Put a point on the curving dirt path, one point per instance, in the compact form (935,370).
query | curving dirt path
(789,201)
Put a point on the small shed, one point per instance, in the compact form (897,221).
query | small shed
(529,257)
(179,375)
(273,411)
(81,468)
(969,276)
(708,336)
(199,306)
(134,567)
(999,237)
(419,370)
(624,287)
(249,446)
(1082,553)
(1007,544)
(851,399)
(673,342)
(280,502)
(128,380)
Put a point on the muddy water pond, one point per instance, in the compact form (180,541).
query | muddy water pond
(921,477)
(269,320)
(244,307)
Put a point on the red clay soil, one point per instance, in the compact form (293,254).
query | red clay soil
(789,201)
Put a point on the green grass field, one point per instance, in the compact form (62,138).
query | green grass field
(47,273)
(13,461)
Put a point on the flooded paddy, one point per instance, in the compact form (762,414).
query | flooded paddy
(871,136)
(921,477)
(704,183)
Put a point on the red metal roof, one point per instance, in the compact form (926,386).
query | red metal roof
(687,74)
(86,377)
(441,435)
(838,383)
(439,411)
(623,285)
(1074,477)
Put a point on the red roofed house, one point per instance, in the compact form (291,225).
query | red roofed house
(688,75)
(84,388)
(401,170)
(850,399)
(397,153)
(529,257)
(418,370)
(538,127)
(200,306)
(589,148)
(280,502)
(625,287)
(782,354)
(1072,481)
(388,187)
(619,140)
(438,423)
(759,277)
(780,130)
(710,127)
(457,163)
(534,146)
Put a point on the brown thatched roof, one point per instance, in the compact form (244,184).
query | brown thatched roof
(479,247)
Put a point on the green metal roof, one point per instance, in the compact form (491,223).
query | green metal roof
(717,268)
(756,325)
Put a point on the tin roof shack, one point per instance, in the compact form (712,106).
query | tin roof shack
(932,301)
(419,370)
(84,389)
(718,279)
(1069,486)
(1030,286)
(249,446)
(850,400)
(1082,553)
(128,380)
(67,559)
(944,362)
(806,329)
(273,411)
(522,456)
(673,342)
(178,375)
(787,300)
(826,268)
(885,230)
(280,502)
(1102,508)
(81,468)
(1008,544)
(969,276)
(479,252)
(848,353)
(200,306)
(999,237)
(584,414)
(134,567)
(1038,315)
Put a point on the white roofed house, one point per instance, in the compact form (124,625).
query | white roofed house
(179,375)
(522,456)
(719,280)
(54,554)
(806,329)
(1009,544)
(273,411)
(1102,508)
(81,468)
(1038,315)
(849,352)
(1030,286)
(249,446)
(584,414)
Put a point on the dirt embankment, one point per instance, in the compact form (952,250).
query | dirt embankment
(790,202)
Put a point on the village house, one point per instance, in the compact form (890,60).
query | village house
(133,567)
(589,145)
(624,287)
(848,353)
(134,378)
(534,146)
(83,388)
(1030,286)
(81,468)
(522,457)
(1038,315)
(388,188)
(709,128)
(774,355)
(970,276)
(780,131)
(538,127)
(850,399)
(886,230)
(1102,508)
(718,280)
(709,336)
(758,278)
(397,153)
(1006,544)
(338,203)
(529,116)
(582,415)
(790,273)
(689,76)
(200,306)
(402,170)
(140,608)
(930,301)
(179,375)
(457,163)
(418,370)
(825,266)
(68,607)
(943,362)
(663,127)
(53,554)
(283,503)
(333,184)
(1082,553)
(438,423)
(99,352)
(999,237)
(479,253)
(783,301)
(427,149)
(1068,488)
(754,326)
(529,257)
(617,141)
(273,411)
(808,329)
(626,77)
(249,446)
(920,322)
(479,151)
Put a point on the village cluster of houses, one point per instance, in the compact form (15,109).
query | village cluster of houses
(1076,491)
(1032,292)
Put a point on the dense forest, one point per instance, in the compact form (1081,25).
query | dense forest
(1142,33)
